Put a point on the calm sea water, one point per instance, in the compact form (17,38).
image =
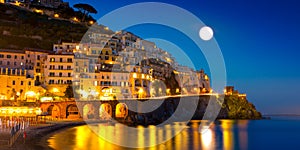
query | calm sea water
(277,133)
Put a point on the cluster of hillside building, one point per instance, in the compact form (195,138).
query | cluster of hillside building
(46,7)
(44,3)
(118,66)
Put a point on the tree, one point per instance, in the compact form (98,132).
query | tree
(14,94)
(85,9)
(69,92)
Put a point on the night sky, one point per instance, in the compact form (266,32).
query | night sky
(259,40)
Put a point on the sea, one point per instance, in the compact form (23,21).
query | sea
(278,132)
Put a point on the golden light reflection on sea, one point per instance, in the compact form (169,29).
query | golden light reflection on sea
(219,136)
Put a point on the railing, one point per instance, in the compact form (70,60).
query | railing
(13,129)
(68,69)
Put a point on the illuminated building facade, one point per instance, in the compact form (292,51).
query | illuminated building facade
(59,72)
(14,84)
(115,66)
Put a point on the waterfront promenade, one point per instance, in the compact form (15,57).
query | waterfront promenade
(36,134)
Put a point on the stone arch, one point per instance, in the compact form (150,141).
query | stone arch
(121,110)
(105,111)
(72,112)
(88,111)
(137,83)
(54,111)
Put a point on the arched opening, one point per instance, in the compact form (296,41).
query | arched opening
(137,83)
(72,112)
(88,111)
(121,110)
(105,111)
(53,111)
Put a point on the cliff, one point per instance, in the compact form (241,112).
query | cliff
(20,28)
(236,107)
(174,109)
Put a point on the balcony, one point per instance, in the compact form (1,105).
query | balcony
(71,69)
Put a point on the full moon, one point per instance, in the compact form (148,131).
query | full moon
(206,33)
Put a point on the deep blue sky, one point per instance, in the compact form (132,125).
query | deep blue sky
(259,40)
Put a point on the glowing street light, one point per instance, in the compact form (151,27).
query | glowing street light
(55,90)
(30,94)
(56,15)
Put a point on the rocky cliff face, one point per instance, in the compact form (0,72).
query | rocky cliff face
(182,108)
(235,107)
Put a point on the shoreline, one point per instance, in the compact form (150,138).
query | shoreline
(37,136)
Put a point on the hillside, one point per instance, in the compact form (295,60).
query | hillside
(20,28)
(235,107)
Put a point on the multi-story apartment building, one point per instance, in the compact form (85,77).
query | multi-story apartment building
(204,82)
(119,65)
(114,85)
(58,72)
(16,86)
(30,63)
(12,59)
(34,63)
(140,81)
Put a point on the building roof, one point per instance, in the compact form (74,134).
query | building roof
(12,51)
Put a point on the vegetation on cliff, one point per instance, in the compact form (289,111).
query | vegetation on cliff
(20,28)
(236,107)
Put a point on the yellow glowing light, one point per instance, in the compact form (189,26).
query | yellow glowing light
(168,60)
(206,77)
(168,91)
(38,111)
(20,111)
(228,137)
(242,95)
(56,15)
(94,93)
(75,19)
(24,111)
(55,90)
(91,22)
(134,75)
(45,99)
(206,139)
(106,28)
(39,11)
(17,3)
(143,76)
(30,94)
(3,97)
(141,90)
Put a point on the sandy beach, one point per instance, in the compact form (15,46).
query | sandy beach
(37,136)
